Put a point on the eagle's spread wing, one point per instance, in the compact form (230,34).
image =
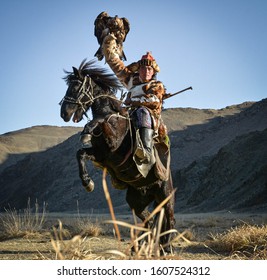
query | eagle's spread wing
(101,25)
(126,25)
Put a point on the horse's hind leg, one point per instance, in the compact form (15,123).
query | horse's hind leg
(138,202)
(83,155)
(169,219)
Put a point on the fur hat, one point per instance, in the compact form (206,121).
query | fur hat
(148,60)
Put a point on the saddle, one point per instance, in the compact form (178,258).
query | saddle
(161,165)
(113,136)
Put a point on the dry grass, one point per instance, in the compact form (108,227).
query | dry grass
(244,242)
(144,246)
(81,238)
(27,223)
(73,249)
(85,226)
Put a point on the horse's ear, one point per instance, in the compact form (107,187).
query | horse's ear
(75,71)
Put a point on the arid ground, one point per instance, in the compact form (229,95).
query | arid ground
(202,236)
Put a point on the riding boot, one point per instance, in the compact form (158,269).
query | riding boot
(144,150)
(86,134)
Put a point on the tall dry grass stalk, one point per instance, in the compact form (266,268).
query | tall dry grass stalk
(144,243)
(16,223)
(109,201)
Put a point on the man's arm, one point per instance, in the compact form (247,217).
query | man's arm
(109,47)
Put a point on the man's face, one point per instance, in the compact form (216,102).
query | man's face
(146,73)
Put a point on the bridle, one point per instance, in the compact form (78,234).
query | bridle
(82,92)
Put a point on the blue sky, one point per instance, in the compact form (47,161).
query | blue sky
(217,47)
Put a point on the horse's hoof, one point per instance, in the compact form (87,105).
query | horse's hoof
(168,250)
(90,187)
(88,183)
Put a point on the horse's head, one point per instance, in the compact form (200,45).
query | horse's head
(84,86)
(77,98)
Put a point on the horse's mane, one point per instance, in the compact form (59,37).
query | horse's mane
(101,76)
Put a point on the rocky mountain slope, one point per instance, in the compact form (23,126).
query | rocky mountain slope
(234,178)
(219,162)
(15,145)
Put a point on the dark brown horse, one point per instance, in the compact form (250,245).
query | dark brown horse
(112,138)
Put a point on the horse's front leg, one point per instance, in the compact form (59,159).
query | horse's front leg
(83,155)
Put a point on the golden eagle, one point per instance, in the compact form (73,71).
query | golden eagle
(119,27)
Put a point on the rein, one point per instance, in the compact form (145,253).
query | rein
(87,91)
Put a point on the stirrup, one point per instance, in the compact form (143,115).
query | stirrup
(142,154)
